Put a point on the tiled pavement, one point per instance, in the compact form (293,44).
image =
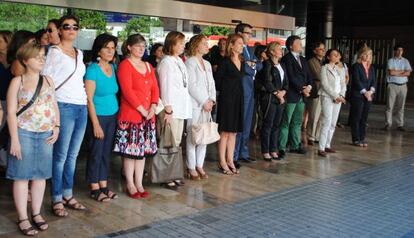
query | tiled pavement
(373,202)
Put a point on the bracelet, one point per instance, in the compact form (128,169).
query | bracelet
(169,113)
(58,126)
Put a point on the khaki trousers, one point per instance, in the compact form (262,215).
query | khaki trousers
(396,102)
(314,125)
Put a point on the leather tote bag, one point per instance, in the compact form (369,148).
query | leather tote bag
(204,132)
(167,165)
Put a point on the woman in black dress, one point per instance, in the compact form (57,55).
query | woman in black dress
(230,102)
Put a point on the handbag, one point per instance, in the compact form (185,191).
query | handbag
(167,165)
(204,133)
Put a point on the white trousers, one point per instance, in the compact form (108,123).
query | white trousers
(195,153)
(330,113)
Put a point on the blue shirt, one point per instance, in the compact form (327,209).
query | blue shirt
(105,99)
(398,64)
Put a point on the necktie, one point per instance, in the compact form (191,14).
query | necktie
(298,60)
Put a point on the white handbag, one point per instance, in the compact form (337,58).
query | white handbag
(204,133)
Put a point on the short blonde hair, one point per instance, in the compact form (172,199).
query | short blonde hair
(28,51)
(271,47)
(362,51)
(195,41)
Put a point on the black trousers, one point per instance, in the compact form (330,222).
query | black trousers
(100,151)
(272,117)
(359,115)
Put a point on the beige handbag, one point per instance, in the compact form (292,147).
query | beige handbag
(204,133)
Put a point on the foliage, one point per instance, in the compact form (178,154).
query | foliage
(90,19)
(216,30)
(141,24)
(18,16)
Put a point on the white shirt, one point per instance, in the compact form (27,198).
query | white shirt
(281,72)
(200,82)
(59,66)
(173,77)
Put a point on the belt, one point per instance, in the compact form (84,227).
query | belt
(399,84)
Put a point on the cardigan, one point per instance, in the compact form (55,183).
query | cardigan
(137,90)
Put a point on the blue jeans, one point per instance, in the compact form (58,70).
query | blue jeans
(73,119)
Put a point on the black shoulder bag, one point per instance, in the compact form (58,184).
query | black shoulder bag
(4,133)
(76,66)
(35,95)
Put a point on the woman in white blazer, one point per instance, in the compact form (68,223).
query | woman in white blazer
(173,79)
(332,93)
(203,95)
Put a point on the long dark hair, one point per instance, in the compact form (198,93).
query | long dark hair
(328,53)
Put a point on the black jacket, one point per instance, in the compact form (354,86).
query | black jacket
(298,77)
(360,81)
(271,81)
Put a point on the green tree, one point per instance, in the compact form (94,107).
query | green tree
(216,30)
(90,19)
(141,24)
(18,16)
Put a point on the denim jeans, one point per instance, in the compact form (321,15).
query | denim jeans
(73,119)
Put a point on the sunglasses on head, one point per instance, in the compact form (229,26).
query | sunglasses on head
(67,27)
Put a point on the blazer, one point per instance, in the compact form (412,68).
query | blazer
(272,81)
(298,77)
(201,84)
(360,82)
(329,76)
(315,69)
(137,90)
(173,78)
(249,71)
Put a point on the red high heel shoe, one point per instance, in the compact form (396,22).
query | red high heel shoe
(144,194)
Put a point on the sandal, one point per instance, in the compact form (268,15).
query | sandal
(99,196)
(59,211)
(170,185)
(109,193)
(75,205)
(203,174)
(179,182)
(29,231)
(41,224)
(234,170)
(225,171)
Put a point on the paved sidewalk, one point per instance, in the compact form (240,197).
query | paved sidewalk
(373,202)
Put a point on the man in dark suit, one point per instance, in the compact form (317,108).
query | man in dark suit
(251,67)
(300,85)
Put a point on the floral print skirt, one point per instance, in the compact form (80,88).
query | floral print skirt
(136,140)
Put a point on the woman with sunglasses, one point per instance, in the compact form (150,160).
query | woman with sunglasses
(64,64)
(173,78)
